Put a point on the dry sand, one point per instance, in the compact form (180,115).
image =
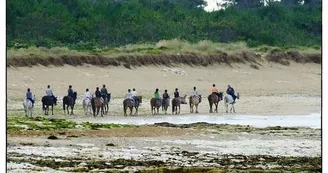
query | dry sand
(273,89)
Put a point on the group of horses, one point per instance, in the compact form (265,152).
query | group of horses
(101,105)
(50,101)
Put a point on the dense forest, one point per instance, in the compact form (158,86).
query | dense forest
(87,24)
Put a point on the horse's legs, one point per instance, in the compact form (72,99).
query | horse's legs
(157,110)
(179,110)
(72,107)
(216,107)
(196,108)
(131,110)
(211,104)
(52,109)
(226,105)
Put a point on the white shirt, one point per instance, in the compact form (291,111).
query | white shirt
(195,93)
(128,96)
(88,95)
(134,93)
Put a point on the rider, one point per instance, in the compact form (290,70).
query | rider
(166,96)
(129,96)
(195,93)
(231,92)
(29,96)
(87,94)
(104,92)
(215,90)
(49,92)
(156,95)
(176,93)
(97,93)
(70,91)
(134,92)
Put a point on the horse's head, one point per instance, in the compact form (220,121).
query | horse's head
(75,95)
(237,95)
(140,99)
(220,96)
(55,101)
(183,99)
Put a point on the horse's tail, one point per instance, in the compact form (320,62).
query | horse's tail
(225,99)
(64,99)
(93,104)
(190,100)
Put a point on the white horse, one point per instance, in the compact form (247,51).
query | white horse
(229,100)
(86,105)
(28,107)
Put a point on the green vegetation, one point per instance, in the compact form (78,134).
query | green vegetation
(41,123)
(98,26)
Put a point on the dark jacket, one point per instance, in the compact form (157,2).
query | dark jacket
(176,94)
(98,94)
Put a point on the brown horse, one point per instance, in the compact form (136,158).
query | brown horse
(127,103)
(214,99)
(165,104)
(154,103)
(194,101)
(97,104)
(176,104)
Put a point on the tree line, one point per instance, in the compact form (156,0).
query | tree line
(87,24)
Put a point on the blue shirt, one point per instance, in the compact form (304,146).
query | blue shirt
(29,95)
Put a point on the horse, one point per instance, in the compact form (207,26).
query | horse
(176,102)
(194,101)
(86,105)
(127,103)
(48,101)
(155,104)
(97,104)
(229,100)
(214,99)
(106,101)
(70,102)
(28,107)
(165,104)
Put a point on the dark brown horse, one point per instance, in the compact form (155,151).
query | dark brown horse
(214,99)
(127,103)
(176,102)
(97,104)
(70,102)
(154,103)
(48,101)
(165,104)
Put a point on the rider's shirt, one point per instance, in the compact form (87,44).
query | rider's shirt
(88,95)
(29,95)
(156,95)
(49,92)
(134,93)
(195,93)
(128,95)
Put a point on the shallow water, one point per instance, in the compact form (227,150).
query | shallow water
(313,120)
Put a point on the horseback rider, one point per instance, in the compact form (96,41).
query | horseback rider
(176,93)
(49,92)
(29,96)
(166,96)
(157,97)
(87,94)
(104,92)
(70,91)
(231,92)
(134,92)
(195,93)
(215,90)
(98,93)
(128,95)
